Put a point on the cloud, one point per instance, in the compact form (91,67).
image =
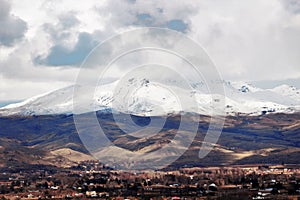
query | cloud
(292,5)
(250,40)
(69,46)
(13,28)
(68,20)
(19,66)
(60,55)
(150,14)
(12,89)
(62,30)
(116,16)
(146,20)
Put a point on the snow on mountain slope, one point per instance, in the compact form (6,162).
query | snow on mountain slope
(246,98)
(151,98)
(55,102)
(244,87)
(288,91)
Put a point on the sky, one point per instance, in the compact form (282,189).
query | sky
(44,42)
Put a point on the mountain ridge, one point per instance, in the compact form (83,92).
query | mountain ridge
(153,99)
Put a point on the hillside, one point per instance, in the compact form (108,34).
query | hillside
(53,139)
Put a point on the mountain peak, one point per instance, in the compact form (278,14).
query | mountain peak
(245,86)
(150,98)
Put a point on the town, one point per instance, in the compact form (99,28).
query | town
(91,179)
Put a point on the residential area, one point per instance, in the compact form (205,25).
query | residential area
(91,179)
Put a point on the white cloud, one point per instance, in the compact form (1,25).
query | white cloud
(16,89)
(248,40)
(12,27)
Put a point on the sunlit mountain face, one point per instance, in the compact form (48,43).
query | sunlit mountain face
(53,139)
(240,98)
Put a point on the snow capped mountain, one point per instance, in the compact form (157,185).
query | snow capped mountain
(143,97)
(289,91)
(244,87)
(55,102)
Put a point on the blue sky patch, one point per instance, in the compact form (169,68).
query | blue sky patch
(60,55)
